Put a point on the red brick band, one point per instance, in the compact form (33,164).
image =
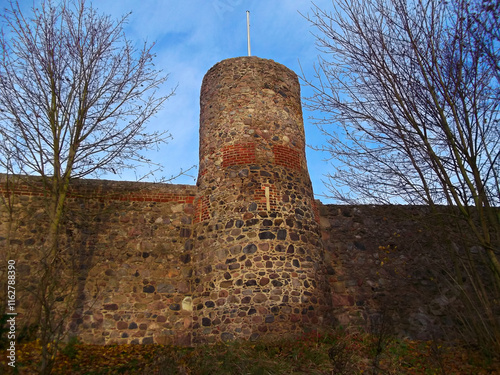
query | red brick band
(136,196)
(286,157)
(242,153)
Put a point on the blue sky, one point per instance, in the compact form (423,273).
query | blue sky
(193,35)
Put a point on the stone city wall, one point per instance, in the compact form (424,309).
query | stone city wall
(134,245)
(391,266)
(246,253)
(131,245)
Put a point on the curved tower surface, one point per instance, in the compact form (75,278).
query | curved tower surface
(257,251)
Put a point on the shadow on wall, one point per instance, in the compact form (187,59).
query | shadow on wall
(395,268)
(126,263)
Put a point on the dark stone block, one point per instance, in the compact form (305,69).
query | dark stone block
(277,283)
(254,337)
(346,213)
(269,318)
(359,245)
(29,242)
(251,222)
(282,234)
(267,236)
(148,341)
(206,322)
(148,289)
(226,336)
(175,307)
(250,249)
(188,245)
(132,325)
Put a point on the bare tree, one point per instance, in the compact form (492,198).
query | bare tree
(75,96)
(483,22)
(412,87)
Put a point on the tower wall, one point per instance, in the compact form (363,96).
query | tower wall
(257,250)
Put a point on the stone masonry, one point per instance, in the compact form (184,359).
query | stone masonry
(257,250)
(246,253)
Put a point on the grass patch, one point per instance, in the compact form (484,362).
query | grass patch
(338,352)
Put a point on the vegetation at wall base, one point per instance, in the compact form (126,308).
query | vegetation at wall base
(339,352)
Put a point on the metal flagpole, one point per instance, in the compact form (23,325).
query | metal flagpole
(248,32)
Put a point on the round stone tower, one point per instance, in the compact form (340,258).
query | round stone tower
(257,251)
